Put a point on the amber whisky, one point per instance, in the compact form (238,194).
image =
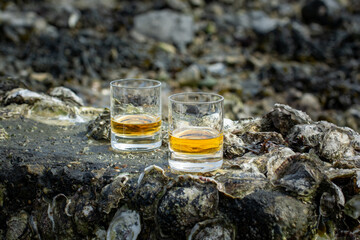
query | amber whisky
(196,140)
(135,125)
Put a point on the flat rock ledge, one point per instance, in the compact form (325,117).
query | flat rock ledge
(284,177)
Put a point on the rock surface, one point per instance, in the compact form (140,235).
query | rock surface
(284,176)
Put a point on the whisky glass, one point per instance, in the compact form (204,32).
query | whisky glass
(135,109)
(196,131)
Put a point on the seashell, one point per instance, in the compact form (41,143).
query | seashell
(212,229)
(277,160)
(124,225)
(17,226)
(283,118)
(99,128)
(151,187)
(67,96)
(113,193)
(300,176)
(239,183)
(352,207)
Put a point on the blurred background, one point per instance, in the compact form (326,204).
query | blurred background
(304,53)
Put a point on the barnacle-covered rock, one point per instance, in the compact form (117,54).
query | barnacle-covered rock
(330,141)
(99,128)
(266,160)
(271,215)
(303,137)
(212,229)
(17,226)
(83,209)
(124,225)
(188,201)
(53,219)
(151,187)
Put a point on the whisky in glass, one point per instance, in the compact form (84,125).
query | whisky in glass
(195,132)
(135,114)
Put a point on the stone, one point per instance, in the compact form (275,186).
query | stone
(166,25)
(189,76)
(217,69)
(258,21)
(283,217)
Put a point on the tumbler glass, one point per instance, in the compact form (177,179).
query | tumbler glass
(135,108)
(196,131)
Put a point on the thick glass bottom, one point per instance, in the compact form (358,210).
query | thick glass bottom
(133,144)
(195,162)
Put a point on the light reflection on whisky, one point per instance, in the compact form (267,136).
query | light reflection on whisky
(196,140)
(135,125)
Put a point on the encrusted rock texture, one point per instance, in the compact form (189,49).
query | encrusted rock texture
(289,73)
(284,176)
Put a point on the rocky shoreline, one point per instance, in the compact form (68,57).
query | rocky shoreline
(284,176)
(289,73)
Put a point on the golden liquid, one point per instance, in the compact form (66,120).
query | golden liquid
(135,125)
(197,140)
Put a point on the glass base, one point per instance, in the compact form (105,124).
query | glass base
(195,163)
(133,144)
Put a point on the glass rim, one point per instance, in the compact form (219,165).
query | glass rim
(158,83)
(221,98)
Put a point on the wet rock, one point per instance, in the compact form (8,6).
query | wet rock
(67,96)
(83,208)
(281,217)
(186,203)
(166,25)
(151,187)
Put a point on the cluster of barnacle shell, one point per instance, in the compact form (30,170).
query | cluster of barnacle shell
(284,177)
